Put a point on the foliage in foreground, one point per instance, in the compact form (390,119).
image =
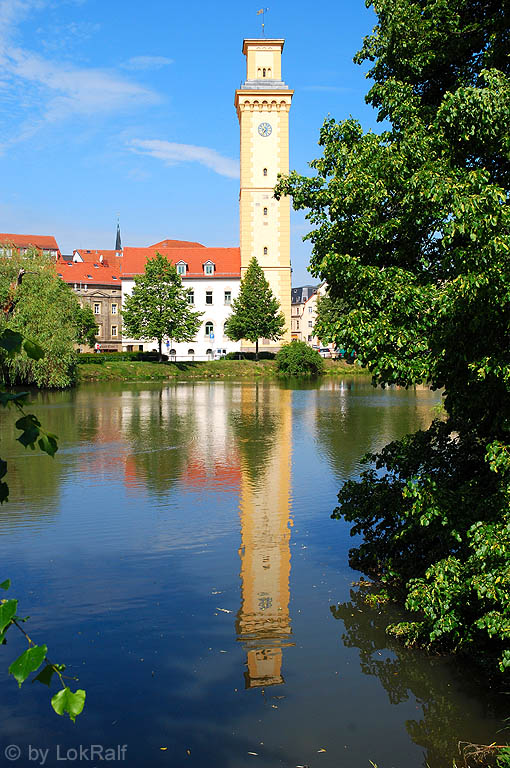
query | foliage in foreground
(256,311)
(412,235)
(158,306)
(299,359)
(44,309)
(31,434)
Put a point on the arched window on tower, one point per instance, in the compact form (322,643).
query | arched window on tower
(265,171)
(265,250)
(265,211)
(263,72)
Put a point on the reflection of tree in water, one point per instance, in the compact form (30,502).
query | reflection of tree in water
(349,423)
(160,435)
(254,427)
(453,705)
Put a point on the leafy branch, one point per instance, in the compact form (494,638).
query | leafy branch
(32,434)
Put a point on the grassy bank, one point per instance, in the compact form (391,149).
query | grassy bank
(184,371)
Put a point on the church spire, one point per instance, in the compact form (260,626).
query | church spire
(118,244)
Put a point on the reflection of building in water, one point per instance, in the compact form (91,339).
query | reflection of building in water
(263,622)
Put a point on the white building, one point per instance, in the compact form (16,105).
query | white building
(213,276)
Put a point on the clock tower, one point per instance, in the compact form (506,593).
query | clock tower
(263,103)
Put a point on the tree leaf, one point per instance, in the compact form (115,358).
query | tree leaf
(33,350)
(67,701)
(11,340)
(28,662)
(7,613)
(45,675)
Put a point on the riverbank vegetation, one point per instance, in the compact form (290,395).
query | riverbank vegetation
(412,234)
(187,371)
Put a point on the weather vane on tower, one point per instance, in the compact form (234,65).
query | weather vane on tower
(262,11)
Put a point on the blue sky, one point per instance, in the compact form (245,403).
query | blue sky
(126,107)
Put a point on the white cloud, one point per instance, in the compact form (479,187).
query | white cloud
(69,89)
(46,90)
(172,153)
(140,63)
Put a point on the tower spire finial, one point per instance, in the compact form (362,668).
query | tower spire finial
(262,11)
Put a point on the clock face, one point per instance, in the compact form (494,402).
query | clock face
(265,129)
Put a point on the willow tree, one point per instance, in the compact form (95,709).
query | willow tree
(412,234)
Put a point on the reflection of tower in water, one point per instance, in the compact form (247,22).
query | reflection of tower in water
(263,622)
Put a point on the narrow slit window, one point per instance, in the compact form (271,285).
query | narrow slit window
(265,211)
(265,171)
(265,251)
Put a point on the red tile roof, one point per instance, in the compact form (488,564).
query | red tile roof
(110,258)
(177,244)
(227,261)
(76,272)
(44,242)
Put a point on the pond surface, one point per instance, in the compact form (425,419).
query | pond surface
(178,554)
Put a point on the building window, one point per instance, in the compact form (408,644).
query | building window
(265,171)
(97,308)
(297,325)
(265,211)
(129,348)
(265,251)
(99,330)
(140,347)
(263,72)
(114,331)
(228,297)
(181,269)
(172,352)
(209,328)
(191,351)
(310,323)
(209,269)
(208,297)
(310,310)
(114,309)
(309,338)
(191,297)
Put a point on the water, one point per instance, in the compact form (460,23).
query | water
(178,554)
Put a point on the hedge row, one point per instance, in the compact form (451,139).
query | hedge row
(95,358)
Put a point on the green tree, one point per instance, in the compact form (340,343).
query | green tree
(412,233)
(256,311)
(87,326)
(158,307)
(44,309)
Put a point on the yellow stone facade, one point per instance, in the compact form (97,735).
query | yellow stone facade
(263,104)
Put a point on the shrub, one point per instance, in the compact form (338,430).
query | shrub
(298,359)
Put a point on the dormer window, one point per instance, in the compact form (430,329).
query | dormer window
(181,267)
(208,268)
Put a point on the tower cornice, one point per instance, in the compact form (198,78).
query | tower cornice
(263,43)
